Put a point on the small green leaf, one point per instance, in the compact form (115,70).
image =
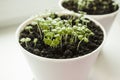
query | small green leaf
(69,30)
(57,36)
(80,37)
(35,40)
(52,15)
(71,40)
(54,22)
(58,28)
(34,23)
(54,30)
(43,25)
(49,34)
(49,19)
(55,42)
(22,40)
(27,39)
(92,34)
(75,27)
(39,19)
(86,39)
(45,31)
(75,34)
(28,27)
(77,21)
(47,41)
(79,25)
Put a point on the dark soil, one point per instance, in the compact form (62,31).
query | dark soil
(71,5)
(67,50)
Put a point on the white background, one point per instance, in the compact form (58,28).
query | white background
(16,11)
(13,65)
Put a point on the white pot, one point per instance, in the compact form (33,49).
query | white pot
(106,19)
(60,69)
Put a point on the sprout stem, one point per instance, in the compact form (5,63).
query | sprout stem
(39,29)
(61,42)
(26,44)
(79,45)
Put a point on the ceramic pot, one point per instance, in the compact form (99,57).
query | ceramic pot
(60,69)
(106,20)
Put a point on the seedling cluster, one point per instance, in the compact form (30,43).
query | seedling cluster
(85,4)
(94,5)
(25,40)
(55,31)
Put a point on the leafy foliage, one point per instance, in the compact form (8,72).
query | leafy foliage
(85,4)
(94,5)
(55,31)
(25,40)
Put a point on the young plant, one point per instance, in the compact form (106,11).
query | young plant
(28,28)
(115,5)
(25,40)
(38,22)
(82,4)
(35,41)
(55,31)
(91,6)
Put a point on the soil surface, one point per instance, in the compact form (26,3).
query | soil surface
(100,9)
(67,50)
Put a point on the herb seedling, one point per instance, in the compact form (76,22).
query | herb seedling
(29,28)
(55,32)
(61,36)
(84,4)
(25,40)
(91,6)
(35,41)
(115,5)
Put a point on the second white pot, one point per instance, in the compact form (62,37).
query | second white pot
(106,19)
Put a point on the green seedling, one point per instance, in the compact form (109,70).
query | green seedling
(25,40)
(55,43)
(93,4)
(84,4)
(34,23)
(35,41)
(29,28)
(55,31)
(115,5)
(47,41)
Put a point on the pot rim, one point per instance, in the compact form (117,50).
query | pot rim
(103,15)
(21,27)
